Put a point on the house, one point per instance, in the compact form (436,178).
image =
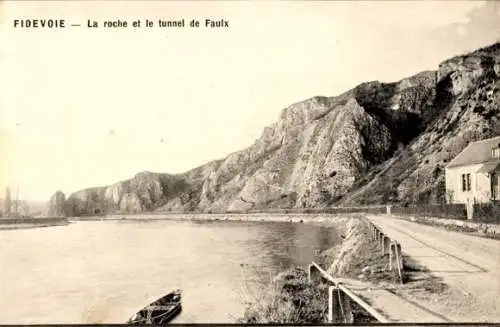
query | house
(474,174)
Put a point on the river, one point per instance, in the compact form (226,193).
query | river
(104,271)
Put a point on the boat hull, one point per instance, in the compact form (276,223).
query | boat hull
(160,312)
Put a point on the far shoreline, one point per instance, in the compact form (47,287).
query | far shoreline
(336,220)
(256,217)
(15,223)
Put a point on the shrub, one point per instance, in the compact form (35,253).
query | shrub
(487,212)
(289,299)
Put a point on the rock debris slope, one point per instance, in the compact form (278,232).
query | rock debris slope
(376,143)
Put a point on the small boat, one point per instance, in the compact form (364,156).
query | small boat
(159,312)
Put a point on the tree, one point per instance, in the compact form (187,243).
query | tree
(24,208)
(7,203)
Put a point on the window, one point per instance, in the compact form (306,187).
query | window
(495,153)
(466,182)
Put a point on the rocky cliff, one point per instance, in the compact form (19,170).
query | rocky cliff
(466,108)
(56,205)
(376,143)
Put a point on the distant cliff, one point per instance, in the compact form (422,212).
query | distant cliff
(56,205)
(377,143)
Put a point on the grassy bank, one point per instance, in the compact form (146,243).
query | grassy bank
(359,256)
(290,298)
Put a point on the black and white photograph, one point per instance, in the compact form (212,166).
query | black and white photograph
(249,162)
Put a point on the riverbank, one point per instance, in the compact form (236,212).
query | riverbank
(24,223)
(290,298)
(360,265)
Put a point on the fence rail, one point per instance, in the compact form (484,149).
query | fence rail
(390,247)
(339,296)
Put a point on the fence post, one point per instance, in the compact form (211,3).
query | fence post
(399,254)
(386,242)
(392,253)
(346,308)
(332,303)
(339,306)
(399,261)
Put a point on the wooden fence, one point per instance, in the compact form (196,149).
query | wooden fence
(340,297)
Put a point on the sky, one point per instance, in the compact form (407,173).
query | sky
(83,107)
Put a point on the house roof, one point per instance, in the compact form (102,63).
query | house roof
(476,153)
(489,167)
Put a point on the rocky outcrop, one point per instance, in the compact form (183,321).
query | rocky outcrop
(465,109)
(146,191)
(344,256)
(376,143)
(466,71)
(56,205)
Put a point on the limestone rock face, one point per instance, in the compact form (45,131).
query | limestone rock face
(377,143)
(56,207)
(496,67)
(146,191)
(465,109)
(467,70)
(130,202)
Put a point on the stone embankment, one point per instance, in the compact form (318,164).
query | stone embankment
(331,220)
(365,255)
